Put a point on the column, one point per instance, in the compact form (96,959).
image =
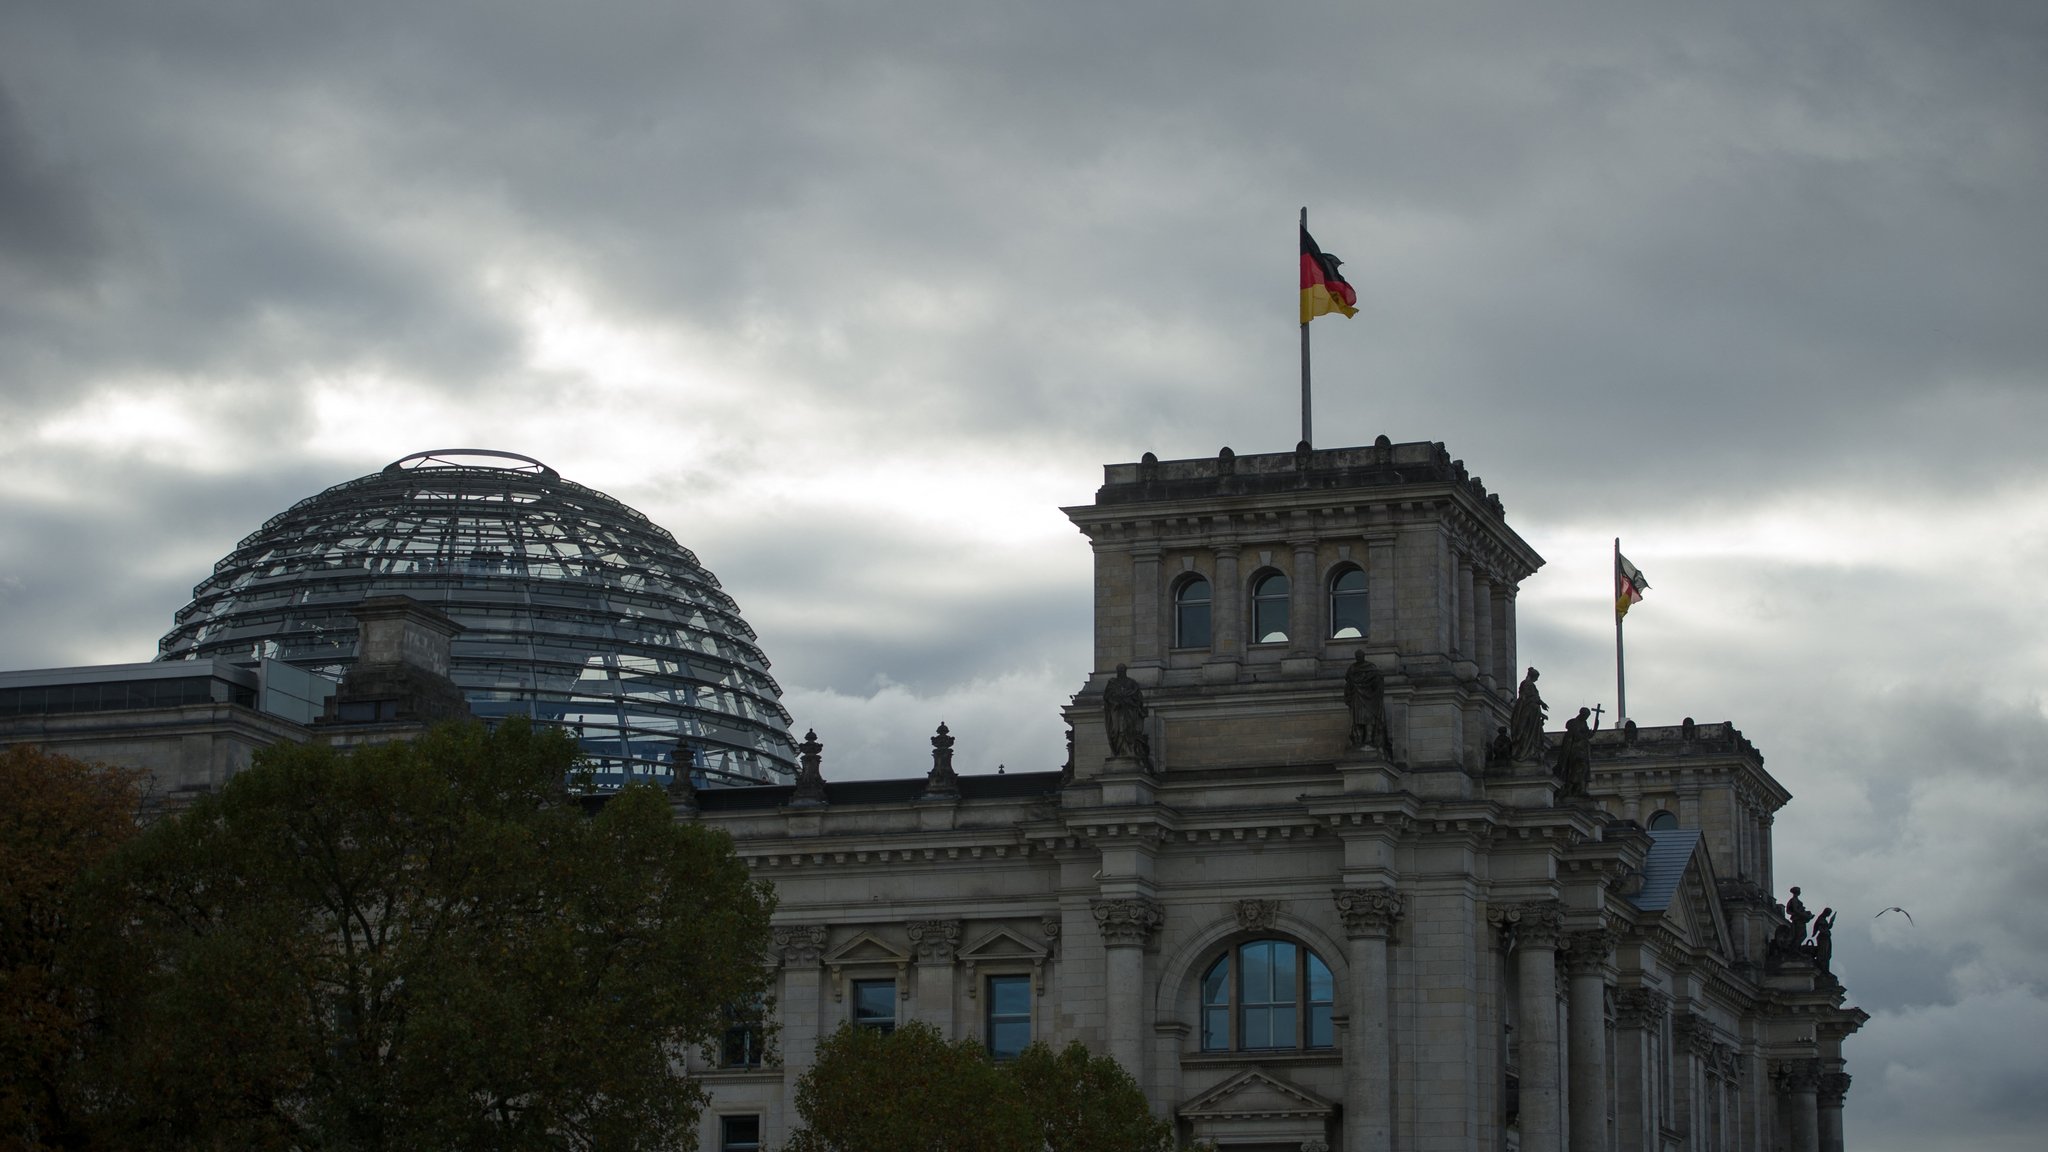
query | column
(934,943)
(1126,924)
(1468,616)
(798,947)
(1147,599)
(1585,959)
(1639,1023)
(1482,627)
(1368,915)
(1828,1100)
(1305,611)
(1226,606)
(1507,643)
(1503,667)
(1798,1083)
(1538,929)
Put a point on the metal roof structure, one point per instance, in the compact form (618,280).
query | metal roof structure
(576,610)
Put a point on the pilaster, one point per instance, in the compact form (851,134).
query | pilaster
(1368,915)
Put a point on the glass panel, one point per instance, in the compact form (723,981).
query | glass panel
(1009,1015)
(1348,605)
(874,1004)
(1216,1006)
(1320,986)
(1269,609)
(740,1134)
(1321,1033)
(1191,615)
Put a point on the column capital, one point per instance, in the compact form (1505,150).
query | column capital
(1131,920)
(1640,1007)
(799,944)
(1694,1033)
(1586,951)
(1368,911)
(1800,1074)
(934,941)
(1833,1087)
(1534,924)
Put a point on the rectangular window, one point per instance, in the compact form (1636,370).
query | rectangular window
(739,1134)
(743,1037)
(1009,1016)
(874,1004)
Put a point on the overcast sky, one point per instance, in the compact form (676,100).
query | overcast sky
(852,296)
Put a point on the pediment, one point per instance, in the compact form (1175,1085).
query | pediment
(866,948)
(1003,944)
(1256,1095)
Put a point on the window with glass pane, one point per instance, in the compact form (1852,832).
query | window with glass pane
(1009,1016)
(1191,614)
(743,1036)
(874,1004)
(739,1134)
(1347,605)
(1216,1006)
(1269,609)
(1268,994)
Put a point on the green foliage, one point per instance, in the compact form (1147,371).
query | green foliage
(1082,1102)
(421,945)
(58,817)
(913,1091)
(908,1091)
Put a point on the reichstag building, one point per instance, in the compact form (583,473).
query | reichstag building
(1317,871)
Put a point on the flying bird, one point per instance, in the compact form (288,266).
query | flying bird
(1900,911)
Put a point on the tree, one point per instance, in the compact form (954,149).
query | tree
(1082,1102)
(58,817)
(418,945)
(912,1090)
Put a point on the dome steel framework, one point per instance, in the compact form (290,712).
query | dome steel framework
(576,610)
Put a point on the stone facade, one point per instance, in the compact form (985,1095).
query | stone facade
(1290,942)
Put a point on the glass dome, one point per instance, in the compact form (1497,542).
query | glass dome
(576,610)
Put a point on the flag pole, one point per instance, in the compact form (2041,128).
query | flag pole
(1306,438)
(1620,680)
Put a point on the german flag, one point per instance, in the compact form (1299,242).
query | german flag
(1629,585)
(1323,288)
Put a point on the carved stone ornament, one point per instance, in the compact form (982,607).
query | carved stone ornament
(1642,1008)
(1257,914)
(1536,924)
(800,944)
(942,781)
(1798,1075)
(1834,1086)
(1586,952)
(1129,921)
(1315,1144)
(1049,927)
(934,941)
(810,781)
(1123,716)
(1368,911)
(1694,1033)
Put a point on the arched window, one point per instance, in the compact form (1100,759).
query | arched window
(1347,605)
(1661,820)
(1191,614)
(1269,609)
(1267,994)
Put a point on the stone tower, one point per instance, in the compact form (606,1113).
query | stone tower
(1239,589)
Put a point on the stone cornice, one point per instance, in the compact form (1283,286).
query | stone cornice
(1368,911)
(1127,920)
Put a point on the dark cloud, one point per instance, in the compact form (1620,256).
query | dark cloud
(1737,269)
